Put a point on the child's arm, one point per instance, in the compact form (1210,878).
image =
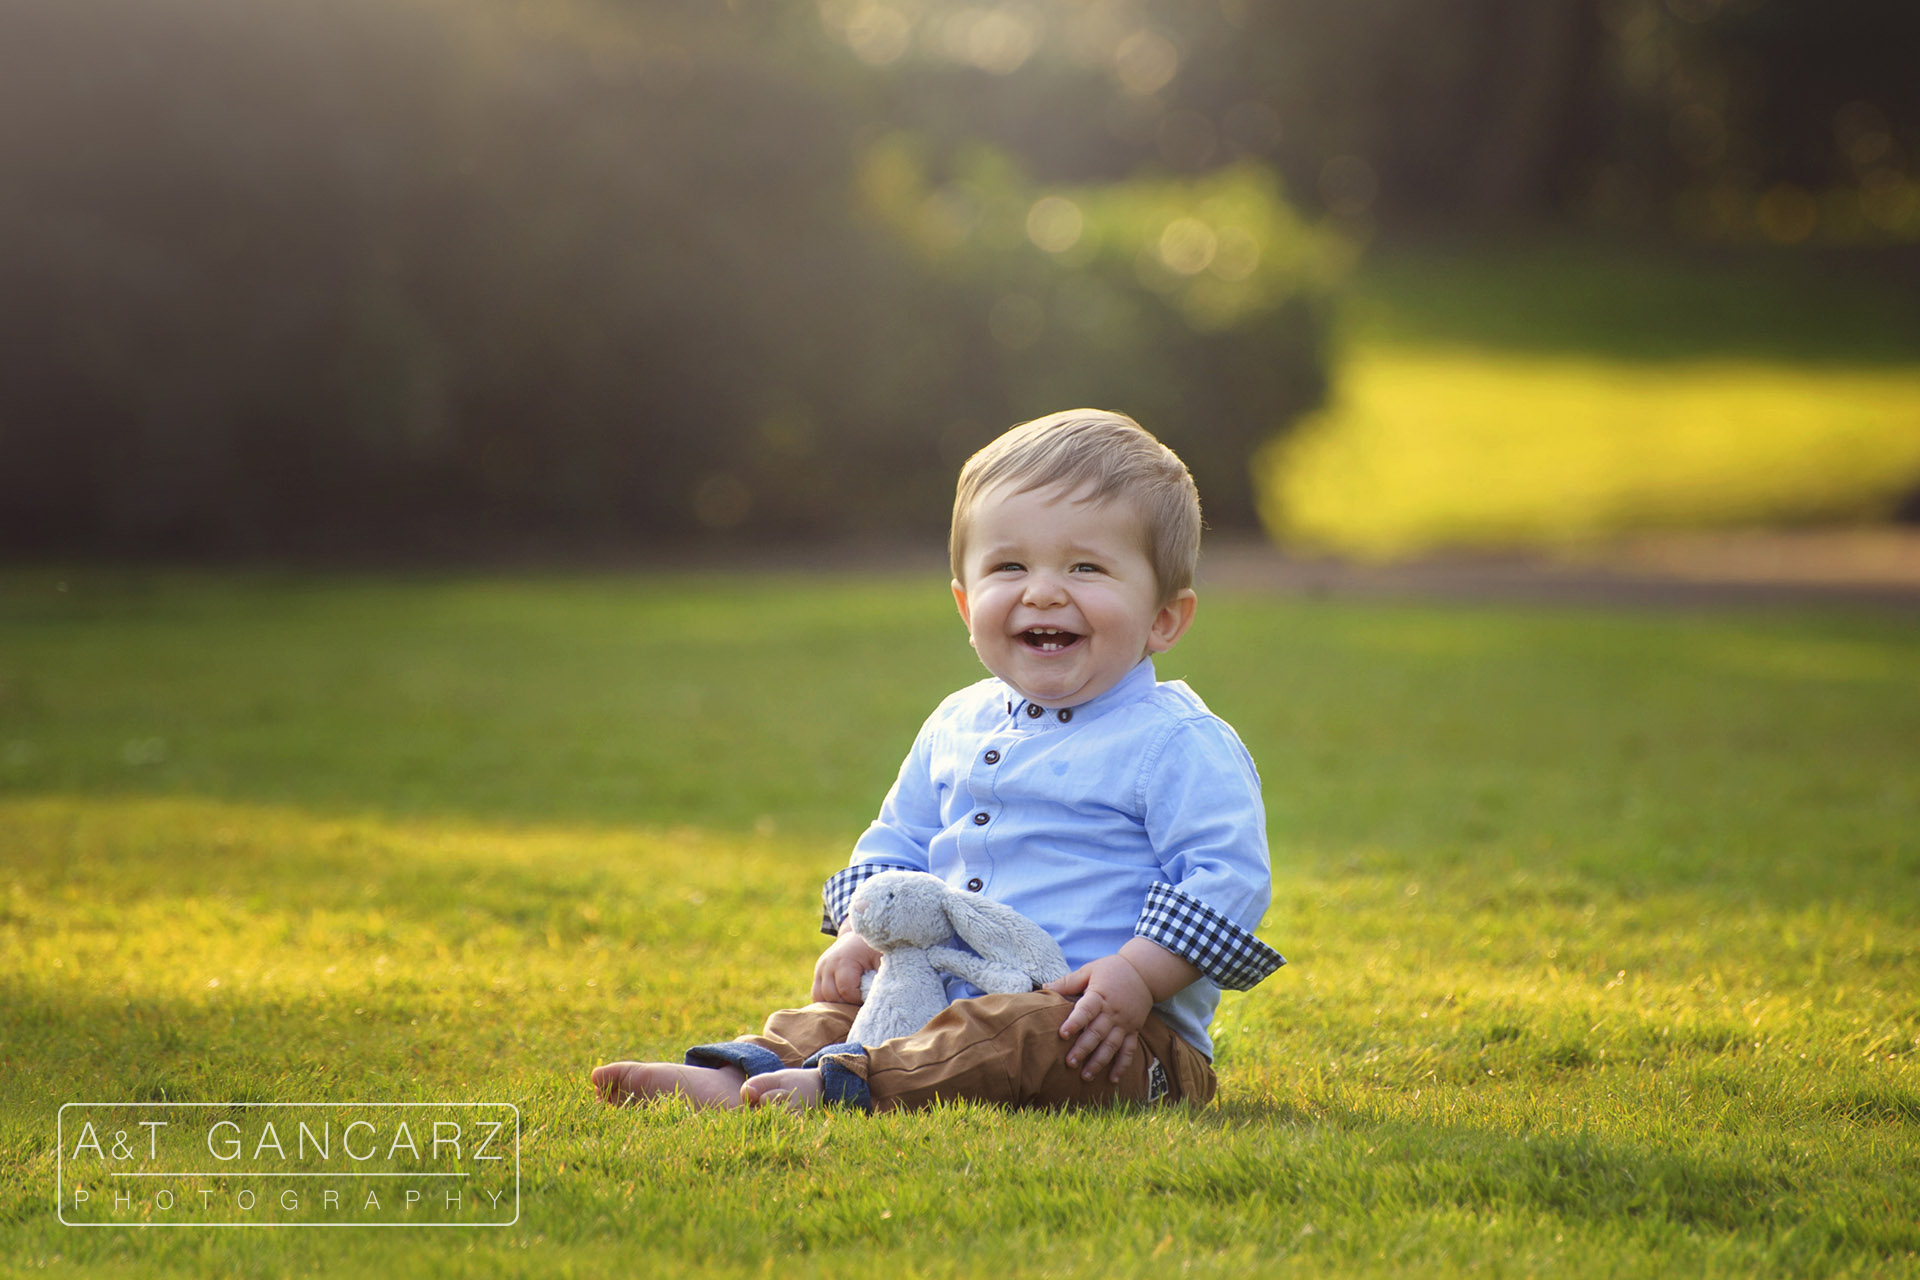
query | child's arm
(1205,819)
(837,973)
(1116,993)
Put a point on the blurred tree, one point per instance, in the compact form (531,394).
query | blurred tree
(332,275)
(1768,120)
(1196,305)
(1417,115)
(331,272)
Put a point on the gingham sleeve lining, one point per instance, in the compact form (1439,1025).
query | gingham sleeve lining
(1198,934)
(837,894)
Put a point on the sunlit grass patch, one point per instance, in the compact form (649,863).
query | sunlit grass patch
(1480,1061)
(203,927)
(1464,447)
(1542,393)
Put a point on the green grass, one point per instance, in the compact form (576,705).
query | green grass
(1552,395)
(1605,927)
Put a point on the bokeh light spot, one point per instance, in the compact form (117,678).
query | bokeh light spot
(1889,201)
(950,215)
(1054,223)
(784,437)
(879,34)
(1237,255)
(1862,132)
(994,40)
(1188,246)
(1145,62)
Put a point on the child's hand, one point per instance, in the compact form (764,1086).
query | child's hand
(837,973)
(1114,1001)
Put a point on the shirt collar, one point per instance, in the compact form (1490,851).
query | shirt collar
(1133,686)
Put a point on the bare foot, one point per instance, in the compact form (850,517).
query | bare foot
(622,1084)
(795,1089)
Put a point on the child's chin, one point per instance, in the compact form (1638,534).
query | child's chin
(1048,693)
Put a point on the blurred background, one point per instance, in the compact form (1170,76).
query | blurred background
(472,277)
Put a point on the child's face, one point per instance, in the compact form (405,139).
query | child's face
(1059,596)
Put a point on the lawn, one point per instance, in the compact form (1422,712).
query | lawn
(1604,926)
(1549,395)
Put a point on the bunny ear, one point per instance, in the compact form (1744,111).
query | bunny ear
(998,932)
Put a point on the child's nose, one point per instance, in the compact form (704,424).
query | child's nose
(1043,590)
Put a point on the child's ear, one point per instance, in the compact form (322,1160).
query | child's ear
(960,599)
(1175,616)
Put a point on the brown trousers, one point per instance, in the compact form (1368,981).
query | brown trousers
(998,1048)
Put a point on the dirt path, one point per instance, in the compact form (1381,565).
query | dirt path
(1875,568)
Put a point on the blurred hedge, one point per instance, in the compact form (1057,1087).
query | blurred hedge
(357,274)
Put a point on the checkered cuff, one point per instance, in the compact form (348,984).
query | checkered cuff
(1204,938)
(837,895)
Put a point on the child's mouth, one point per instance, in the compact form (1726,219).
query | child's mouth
(1048,640)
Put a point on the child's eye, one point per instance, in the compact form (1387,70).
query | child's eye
(1086,567)
(1010,566)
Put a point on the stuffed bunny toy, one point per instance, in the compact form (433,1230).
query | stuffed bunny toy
(906,916)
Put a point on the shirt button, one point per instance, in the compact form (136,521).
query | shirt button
(1066,714)
(992,757)
(1035,711)
(976,884)
(979,819)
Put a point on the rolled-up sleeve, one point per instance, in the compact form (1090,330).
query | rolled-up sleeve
(897,840)
(1205,818)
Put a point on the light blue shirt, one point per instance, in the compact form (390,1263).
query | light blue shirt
(1137,812)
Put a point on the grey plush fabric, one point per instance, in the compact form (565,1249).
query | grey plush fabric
(909,917)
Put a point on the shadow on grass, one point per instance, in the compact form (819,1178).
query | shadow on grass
(1757,754)
(1580,1177)
(1585,300)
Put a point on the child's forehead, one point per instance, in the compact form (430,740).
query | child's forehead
(1013,508)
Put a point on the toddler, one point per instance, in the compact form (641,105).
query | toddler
(1115,811)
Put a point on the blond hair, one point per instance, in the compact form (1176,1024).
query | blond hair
(1098,457)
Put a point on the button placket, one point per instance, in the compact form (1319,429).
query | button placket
(982,782)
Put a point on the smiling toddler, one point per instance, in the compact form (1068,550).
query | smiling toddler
(1115,811)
